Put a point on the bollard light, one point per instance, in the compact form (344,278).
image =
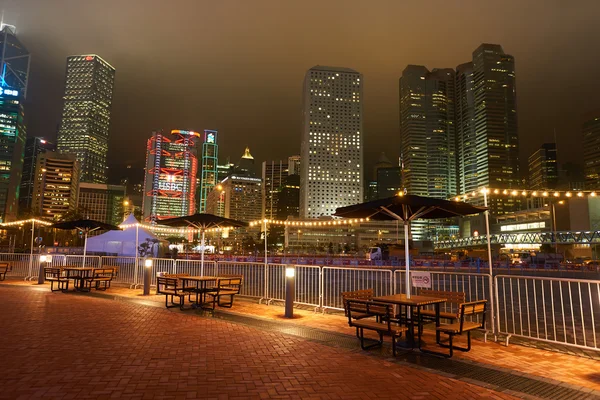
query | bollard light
(42,275)
(147,271)
(290,289)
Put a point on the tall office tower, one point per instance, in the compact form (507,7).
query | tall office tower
(543,169)
(236,197)
(34,146)
(56,185)
(382,162)
(495,118)
(102,202)
(86,114)
(171,173)
(332,141)
(288,202)
(591,150)
(210,160)
(294,165)
(389,182)
(245,166)
(225,170)
(465,129)
(14,76)
(427,131)
(273,175)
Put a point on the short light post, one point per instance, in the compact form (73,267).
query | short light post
(290,291)
(42,275)
(147,275)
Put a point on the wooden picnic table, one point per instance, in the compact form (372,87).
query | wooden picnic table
(198,285)
(412,303)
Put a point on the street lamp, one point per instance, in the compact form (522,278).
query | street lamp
(147,275)
(299,246)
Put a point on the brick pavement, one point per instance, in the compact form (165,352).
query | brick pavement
(64,346)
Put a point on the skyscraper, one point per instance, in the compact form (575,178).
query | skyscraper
(237,197)
(171,173)
(273,175)
(102,202)
(210,161)
(591,150)
(427,131)
(294,165)
(86,114)
(332,151)
(14,75)
(465,129)
(56,185)
(34,146)
(495,118)
(543,169)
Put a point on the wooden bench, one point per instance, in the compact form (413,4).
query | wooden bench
(4,268)
(455,299)
(55,275)
(472,309)
(228,287)
(379,319)
(364,294)
(100,278)
(171,286)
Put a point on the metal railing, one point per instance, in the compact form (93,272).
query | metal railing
(77,261)
(335,280)
(306,284)
(555,310)
(194,267)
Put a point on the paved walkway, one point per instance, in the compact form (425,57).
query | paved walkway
(58,345)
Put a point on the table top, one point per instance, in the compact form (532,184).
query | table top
(199,278)
(78,268)
(414,300)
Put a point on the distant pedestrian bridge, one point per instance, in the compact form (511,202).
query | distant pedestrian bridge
(563,237)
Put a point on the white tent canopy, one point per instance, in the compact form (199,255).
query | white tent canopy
(122,243)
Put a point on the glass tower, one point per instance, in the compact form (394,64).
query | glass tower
(14,74)
(210,160)
(332,151)
(86,114)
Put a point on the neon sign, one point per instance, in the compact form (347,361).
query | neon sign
(210,138)
(8,92)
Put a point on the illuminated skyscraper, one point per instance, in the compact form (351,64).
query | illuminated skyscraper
(171,173)
(56,185)
(332,151)
(294,165)
(86,114)
(273,176)
(210,160)
(543,170)
(34,146)
(428,137)
(591,150)
(14,74)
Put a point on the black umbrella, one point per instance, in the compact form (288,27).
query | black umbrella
(87,226)
(202,222)
(408,208)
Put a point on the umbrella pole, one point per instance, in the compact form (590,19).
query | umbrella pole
(202,255)
(137,252)
(407,259)
(84,248)
(31,254)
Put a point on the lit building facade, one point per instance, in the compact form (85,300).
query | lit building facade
(495,123)
(210,160)
(332,141)
(273,175)
(543,169)
(86,114)
(294,165)
(237,197)
(14,77)
(102,202)
(427,131)
(34,146)
(171,175)
(465,129)
(288,198)
(56,185)
(591,151)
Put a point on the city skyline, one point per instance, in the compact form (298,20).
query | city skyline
(272,112)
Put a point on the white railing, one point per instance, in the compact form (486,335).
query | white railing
(335,280)
(306,284)
(194,267)
(255,277)
(127,268)
(555,310)
(77,261)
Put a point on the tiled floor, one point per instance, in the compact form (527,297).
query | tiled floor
(75,347)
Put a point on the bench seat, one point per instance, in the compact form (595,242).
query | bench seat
(455,327)
(443,314)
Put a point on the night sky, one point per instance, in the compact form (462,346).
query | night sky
(238,66)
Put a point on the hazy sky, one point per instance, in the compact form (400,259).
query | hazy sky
(238,65)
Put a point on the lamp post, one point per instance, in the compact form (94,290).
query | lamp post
(290,291)
(43,260)
(147,275)
(561,202)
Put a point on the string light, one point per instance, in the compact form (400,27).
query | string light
(308,223)
(27,221)
(157,228)
(524,193)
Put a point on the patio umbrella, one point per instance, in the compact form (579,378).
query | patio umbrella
(407,208)
(87,226)
(202,222)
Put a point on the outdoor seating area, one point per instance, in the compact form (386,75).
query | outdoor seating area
(84,278)
(208,291)
(394,315)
